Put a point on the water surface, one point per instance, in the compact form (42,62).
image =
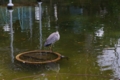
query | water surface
(89,38)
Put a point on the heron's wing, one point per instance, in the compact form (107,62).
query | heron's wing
(51,39)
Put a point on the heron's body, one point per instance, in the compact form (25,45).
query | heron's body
(52,39)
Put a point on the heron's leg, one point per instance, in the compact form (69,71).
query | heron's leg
(51,48)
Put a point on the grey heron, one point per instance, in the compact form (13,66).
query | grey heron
(53,37)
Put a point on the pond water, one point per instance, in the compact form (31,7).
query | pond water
(90,39)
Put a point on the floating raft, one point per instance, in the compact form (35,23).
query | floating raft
(38,57)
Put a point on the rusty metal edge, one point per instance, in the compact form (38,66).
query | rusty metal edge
(44,62)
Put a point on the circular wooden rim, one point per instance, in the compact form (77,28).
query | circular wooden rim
(43,62)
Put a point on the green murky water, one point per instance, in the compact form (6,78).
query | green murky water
(89,36)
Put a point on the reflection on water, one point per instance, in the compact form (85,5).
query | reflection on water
(6,27)
(40,23)
(51,66)
(55,12)
(76,9)
(109,60)
(11,36)
(100,32)
(47,18)
(24,16)
(91,42)
(3,16)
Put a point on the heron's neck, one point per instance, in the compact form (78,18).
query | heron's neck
(57,32)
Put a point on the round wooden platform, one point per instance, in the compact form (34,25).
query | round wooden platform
(38,57)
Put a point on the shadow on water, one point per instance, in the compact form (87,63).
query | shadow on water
(89,37)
